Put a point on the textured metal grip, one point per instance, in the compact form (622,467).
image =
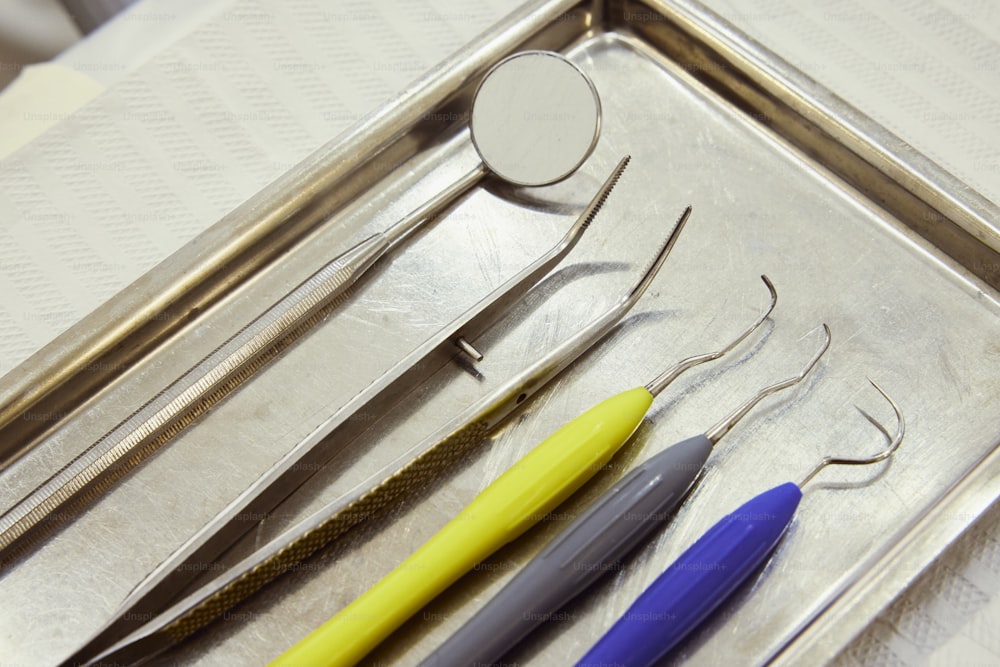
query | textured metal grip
(369,506)
(186,398)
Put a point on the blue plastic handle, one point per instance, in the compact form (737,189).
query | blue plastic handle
(697,582)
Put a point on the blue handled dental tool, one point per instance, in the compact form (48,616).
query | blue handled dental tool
(711,569)
(613,525)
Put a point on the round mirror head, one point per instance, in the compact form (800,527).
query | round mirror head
(535,118)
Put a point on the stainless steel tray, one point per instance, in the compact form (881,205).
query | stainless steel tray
(854,228)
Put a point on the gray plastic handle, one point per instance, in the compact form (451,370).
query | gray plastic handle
(593,544)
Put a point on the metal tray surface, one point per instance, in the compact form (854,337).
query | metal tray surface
(902,312)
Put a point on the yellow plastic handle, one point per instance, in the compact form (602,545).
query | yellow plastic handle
(530,489)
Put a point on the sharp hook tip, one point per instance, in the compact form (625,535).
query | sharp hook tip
(771,289)
(900,422)
(881,456)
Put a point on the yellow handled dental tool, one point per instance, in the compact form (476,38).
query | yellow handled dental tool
(384,490)
(505,509)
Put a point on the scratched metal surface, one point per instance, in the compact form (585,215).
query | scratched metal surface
(898,314)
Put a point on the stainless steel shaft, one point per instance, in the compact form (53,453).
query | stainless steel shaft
(212,378)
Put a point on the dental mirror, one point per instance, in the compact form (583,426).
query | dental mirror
(535,119)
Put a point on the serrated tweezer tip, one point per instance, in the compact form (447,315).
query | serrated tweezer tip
(662,255)
(595,205)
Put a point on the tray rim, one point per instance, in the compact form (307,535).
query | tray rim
(171,297)
(239,239)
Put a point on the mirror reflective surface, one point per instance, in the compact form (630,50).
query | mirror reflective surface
(535,118)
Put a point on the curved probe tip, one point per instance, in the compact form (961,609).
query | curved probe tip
(894,443)
(715,433)
(897,438)
(663,380)
(770,288)
(826,346)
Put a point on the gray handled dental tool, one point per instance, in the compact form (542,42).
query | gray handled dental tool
(615,524)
